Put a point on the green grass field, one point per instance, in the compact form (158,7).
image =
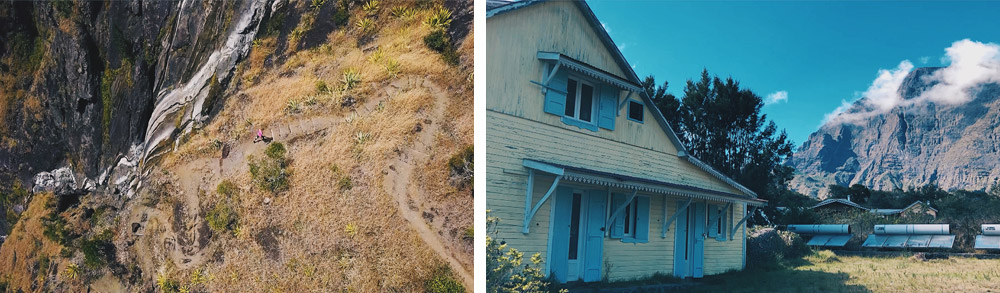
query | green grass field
(825,272)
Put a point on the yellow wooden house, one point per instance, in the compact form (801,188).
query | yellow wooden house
(582,168)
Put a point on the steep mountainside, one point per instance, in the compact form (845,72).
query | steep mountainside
(129,159)
(955,146)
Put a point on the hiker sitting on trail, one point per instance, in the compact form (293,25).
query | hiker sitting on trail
(261,137)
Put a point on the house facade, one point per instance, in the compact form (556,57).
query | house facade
(581,167)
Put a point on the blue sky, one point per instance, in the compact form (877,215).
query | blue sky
(820,53)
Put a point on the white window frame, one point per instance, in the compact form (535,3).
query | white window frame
(579,95)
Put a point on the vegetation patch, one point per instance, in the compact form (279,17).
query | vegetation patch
(460,167)
(505,271)
(443,281)
(270,172)
(97,249)
(108,92)
(16,195)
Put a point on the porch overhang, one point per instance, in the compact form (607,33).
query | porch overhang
(583,175)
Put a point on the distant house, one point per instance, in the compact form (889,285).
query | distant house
(583,169)
(839,205)
(915,208)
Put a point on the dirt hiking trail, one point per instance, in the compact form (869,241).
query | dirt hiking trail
(184,233)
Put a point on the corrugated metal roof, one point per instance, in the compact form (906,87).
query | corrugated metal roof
(840,201)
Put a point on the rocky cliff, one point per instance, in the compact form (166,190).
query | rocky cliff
(956,146)
(86,85)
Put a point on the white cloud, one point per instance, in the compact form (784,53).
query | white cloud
(970,64)
(776,97)
(606,28)
(925,59)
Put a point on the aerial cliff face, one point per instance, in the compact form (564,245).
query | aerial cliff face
(954,146)
(81,81)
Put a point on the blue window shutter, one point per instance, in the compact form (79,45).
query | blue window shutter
(555,101)
(713,214)
(608,107)
(725,224)
(618,223)
(642,220)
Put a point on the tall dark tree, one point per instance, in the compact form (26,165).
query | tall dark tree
(666,102)
(721,124)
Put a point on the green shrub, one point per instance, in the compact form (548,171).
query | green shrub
(168,285)
(768,248)
(438,41)
(95,249)
(504,269)
(54,228)
(316,4)
(345,183)
(321,87)
(8,199)
(276,151)
(221,218)
(461,167)
(269,172)
(443,282)
(341,17)
(227,188)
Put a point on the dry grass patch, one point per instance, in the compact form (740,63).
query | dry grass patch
(27,250)
(819,273)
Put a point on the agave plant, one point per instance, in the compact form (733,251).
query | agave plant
(392,67)
(362,137)
(366,26)
(377,55)
(350,78)
(402,12)
(72,271)
(440,18)
(370,7)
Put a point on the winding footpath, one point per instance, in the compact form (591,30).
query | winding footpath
(198,173)
(397,183)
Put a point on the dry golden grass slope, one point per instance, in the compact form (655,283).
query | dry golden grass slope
(824,272)
(336,227)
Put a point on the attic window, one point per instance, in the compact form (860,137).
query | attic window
(579,100)
(635,112)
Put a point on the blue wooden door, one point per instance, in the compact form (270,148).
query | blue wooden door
(681,245)
(560,233)
(594,243)
(698,251)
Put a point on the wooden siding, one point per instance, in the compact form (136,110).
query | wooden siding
(724,256)
(513,40)
(510,139)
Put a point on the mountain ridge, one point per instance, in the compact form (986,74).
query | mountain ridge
(915,143)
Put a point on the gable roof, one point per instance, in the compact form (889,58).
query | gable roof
(840,201)
(497,7)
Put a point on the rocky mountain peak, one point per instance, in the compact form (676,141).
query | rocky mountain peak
(917,142)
